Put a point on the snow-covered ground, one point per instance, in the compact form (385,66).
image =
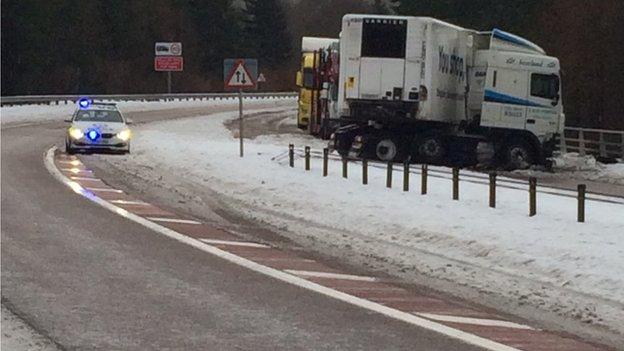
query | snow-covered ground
(44,113)
(573,165)
(548,261)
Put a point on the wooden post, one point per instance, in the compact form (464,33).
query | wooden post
(493,190)
(325,161)
(581,138)
(291,155)
(364,171)
(423,179)
(455,183)
(307,158)
(601,145)
(406,169)
(389,175)
(581,203)
(532,196)
(344,167)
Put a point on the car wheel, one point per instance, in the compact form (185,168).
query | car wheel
(69,150)
(518,154)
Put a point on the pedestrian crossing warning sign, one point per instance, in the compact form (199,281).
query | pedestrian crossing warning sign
(239,76)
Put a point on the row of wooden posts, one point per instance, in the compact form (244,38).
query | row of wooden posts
(423,180)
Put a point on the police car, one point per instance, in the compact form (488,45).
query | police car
(97,127)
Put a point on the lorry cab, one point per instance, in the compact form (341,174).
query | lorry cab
(521,91)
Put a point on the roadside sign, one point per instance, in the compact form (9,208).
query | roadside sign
(168,63)
(168,49)
(261,78)
(240,73)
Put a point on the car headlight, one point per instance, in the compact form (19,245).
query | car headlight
(124,135)
(75,133)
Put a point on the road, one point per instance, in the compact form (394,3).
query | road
(87,279)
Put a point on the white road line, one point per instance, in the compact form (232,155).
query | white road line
(283,276)
(129,202)
(235,243)
(331,275)
(105,190)
(474,321)
(173,220)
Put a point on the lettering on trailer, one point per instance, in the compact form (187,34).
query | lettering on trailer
(451,63)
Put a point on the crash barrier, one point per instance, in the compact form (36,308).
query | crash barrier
(66,99)
(596,142)
(581,193)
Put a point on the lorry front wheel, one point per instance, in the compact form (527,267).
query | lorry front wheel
(518,154)
(386,150)
(431,149)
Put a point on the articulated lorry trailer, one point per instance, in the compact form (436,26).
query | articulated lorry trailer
(421,88)
(314,60)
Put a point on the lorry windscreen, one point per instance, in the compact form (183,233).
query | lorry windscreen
(384,38)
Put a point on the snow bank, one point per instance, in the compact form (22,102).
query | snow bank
(44,113)
(549,260)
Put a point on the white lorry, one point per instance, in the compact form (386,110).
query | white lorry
(422,88)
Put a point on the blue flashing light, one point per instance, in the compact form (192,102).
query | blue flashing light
(92,135)
(84,103)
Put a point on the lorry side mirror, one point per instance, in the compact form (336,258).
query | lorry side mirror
(299,79)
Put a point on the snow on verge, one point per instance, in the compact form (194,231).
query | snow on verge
(549,261)
(45,113)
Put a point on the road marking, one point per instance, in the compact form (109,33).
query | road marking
(474,321)
(283,276)
(173,220)
(235,243)
(331,275)
(129,202)
(105,190)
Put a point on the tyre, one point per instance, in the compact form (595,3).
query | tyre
(431,148)
(518,154)
(69,150)
(386,150)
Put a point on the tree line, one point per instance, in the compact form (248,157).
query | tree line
(107,46)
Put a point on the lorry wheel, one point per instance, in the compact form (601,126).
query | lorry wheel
(431,148)
(518,154)
(386,150)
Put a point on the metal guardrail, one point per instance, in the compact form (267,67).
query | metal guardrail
(57,99)
(597,142)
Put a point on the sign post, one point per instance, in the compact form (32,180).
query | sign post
(168,58)
(240,74)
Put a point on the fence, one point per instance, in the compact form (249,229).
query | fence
(597,142)
(57,99)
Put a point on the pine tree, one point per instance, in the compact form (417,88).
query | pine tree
(266,32)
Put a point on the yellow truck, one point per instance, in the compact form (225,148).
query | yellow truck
(307,77)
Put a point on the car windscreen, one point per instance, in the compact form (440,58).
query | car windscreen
(98,116)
